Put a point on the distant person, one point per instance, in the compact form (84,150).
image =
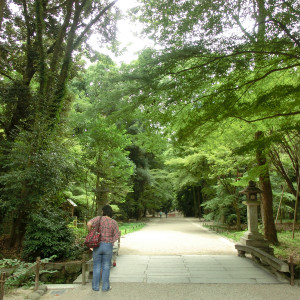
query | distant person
(102,255)
(166,212)
(160,214)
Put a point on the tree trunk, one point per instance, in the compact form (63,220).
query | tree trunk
(18,230)
(196,212)
(237,211)
(101,200)
(2,4)
(270,232)
(199,197)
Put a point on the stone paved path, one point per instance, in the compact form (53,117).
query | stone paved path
(178,259)
(190,269)
(181,250)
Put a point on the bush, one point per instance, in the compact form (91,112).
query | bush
(47,234)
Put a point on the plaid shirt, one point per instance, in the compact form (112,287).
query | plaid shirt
(109,229)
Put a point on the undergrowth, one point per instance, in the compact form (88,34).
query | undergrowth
(23,273)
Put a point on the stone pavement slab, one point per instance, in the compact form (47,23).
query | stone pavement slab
(190,269)
(178,259)
(179,291)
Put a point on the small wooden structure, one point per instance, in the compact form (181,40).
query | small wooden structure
(70,204)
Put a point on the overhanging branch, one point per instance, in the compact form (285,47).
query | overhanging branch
(270,117)
(89,26)
(285,29)
(6,75)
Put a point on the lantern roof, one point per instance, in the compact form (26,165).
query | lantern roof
(251,189)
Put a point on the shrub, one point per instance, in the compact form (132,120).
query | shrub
(47,234)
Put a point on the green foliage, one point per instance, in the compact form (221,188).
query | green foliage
(23,273)
(185,201)
(233,235)
(126,228)
(230,69)
(101,141)
(47,234)
(79,232)
(159,194)
(34,174)
(42,52)
(287,245)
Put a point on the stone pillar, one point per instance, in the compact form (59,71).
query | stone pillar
(253,237)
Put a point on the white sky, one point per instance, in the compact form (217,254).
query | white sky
(127,36)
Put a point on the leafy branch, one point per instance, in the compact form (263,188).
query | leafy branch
(270,117)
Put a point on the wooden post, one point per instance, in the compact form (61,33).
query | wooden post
(279,207)
(296,206)
(2,282)
(292,270)
(37,273)
(83,273)
(84,268)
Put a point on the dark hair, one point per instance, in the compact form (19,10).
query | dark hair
(107,211)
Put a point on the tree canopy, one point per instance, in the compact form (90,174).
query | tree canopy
(185,126)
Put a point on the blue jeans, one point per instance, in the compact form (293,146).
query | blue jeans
(101,262)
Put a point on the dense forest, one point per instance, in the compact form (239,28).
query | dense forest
(185,126)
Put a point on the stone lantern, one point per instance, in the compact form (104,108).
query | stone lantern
(251,191)
(253,237)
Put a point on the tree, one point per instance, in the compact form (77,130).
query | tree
(42,42)
(267,195)
(224,61)
(111,165)
(107,96)
(41,45)
(159,194)
(103,142)
(285,158)
(188,171)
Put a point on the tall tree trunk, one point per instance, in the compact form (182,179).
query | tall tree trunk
(18,230)
(101,193)
(270,232)
(101,200)
(196,206)
(2,4)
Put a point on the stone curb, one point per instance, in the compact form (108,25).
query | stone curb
(38,293)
